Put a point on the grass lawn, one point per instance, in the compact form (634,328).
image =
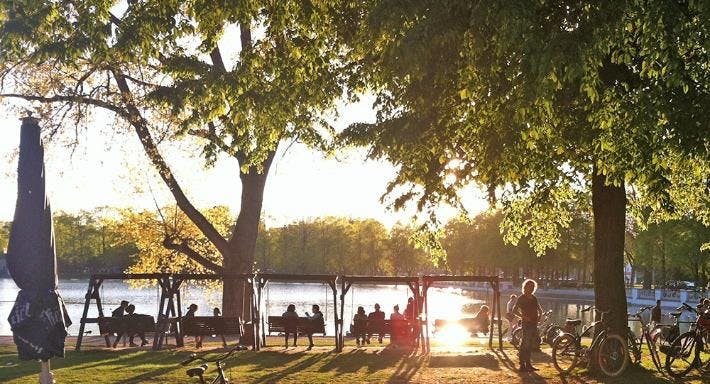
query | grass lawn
(469,364)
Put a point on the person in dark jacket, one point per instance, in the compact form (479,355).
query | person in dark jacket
(130,312)
(656,313)
(376,320)
(316,323)
(360,326)
(291,324)
(121,310)
(191,310)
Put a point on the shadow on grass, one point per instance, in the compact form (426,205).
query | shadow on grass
(407,368)
(292,369)
(355,360)
(485,361)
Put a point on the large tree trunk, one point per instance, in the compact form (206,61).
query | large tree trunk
(236,297)
(609,205)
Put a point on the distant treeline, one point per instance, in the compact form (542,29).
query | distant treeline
(127,240)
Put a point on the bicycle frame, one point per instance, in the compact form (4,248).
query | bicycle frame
(220,379)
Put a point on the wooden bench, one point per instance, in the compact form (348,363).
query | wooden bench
(211,325)
(397,329)
(471,324)
(277,324)
(127,325)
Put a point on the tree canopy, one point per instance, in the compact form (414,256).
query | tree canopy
(238,78)
(539,103)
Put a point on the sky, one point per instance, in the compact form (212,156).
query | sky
(112,170)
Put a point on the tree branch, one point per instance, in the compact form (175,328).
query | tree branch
(140,125)
(184,248)
(70,99)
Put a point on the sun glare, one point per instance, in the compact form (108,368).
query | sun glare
(452,335)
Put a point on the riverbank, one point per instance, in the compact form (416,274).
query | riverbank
(634,296)
(468,364)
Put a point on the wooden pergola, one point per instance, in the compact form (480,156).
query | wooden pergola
(166,306)
(178,278)
(346,283)
(262,279)
(494,281)
(170,306)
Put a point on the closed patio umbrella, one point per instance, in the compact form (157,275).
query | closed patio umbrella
(38,319)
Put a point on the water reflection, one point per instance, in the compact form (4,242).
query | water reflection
(444,302)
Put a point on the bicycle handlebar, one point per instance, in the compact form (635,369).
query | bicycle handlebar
(589,308)
(194,357)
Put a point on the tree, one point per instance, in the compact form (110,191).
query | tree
(159,68)
(4,234)
(540,103)
(675,250)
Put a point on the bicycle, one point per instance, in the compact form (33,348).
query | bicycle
(200,371)
(635,344)
(691,349)
(547,328)
(610,350)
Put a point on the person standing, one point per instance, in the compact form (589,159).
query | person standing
(529,310)
(656,313)
(290,324)
(315,323)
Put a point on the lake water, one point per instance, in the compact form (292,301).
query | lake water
(444,302)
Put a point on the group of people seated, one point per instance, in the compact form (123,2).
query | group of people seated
(191,311)
(315,322)
(366,325)
(126,309)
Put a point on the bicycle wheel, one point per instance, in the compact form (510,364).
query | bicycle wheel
(565,353)
(516,338)
(613,355)
(634,347)
(681,357)
(653,351)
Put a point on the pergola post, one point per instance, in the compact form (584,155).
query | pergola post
(337,321)
(500,315)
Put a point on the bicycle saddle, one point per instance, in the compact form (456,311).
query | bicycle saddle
(573,322)
(675,314)
(199,371)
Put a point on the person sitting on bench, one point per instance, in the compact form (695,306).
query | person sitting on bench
(376,320)
(315,322)
(130,314)
(481,321)
(290,324)
(399,327)
(121,310)
(191,310)
(360,326)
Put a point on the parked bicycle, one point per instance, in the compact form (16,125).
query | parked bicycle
(691,349)
(200,371)
(609,349)
(547,331)
(635,343)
